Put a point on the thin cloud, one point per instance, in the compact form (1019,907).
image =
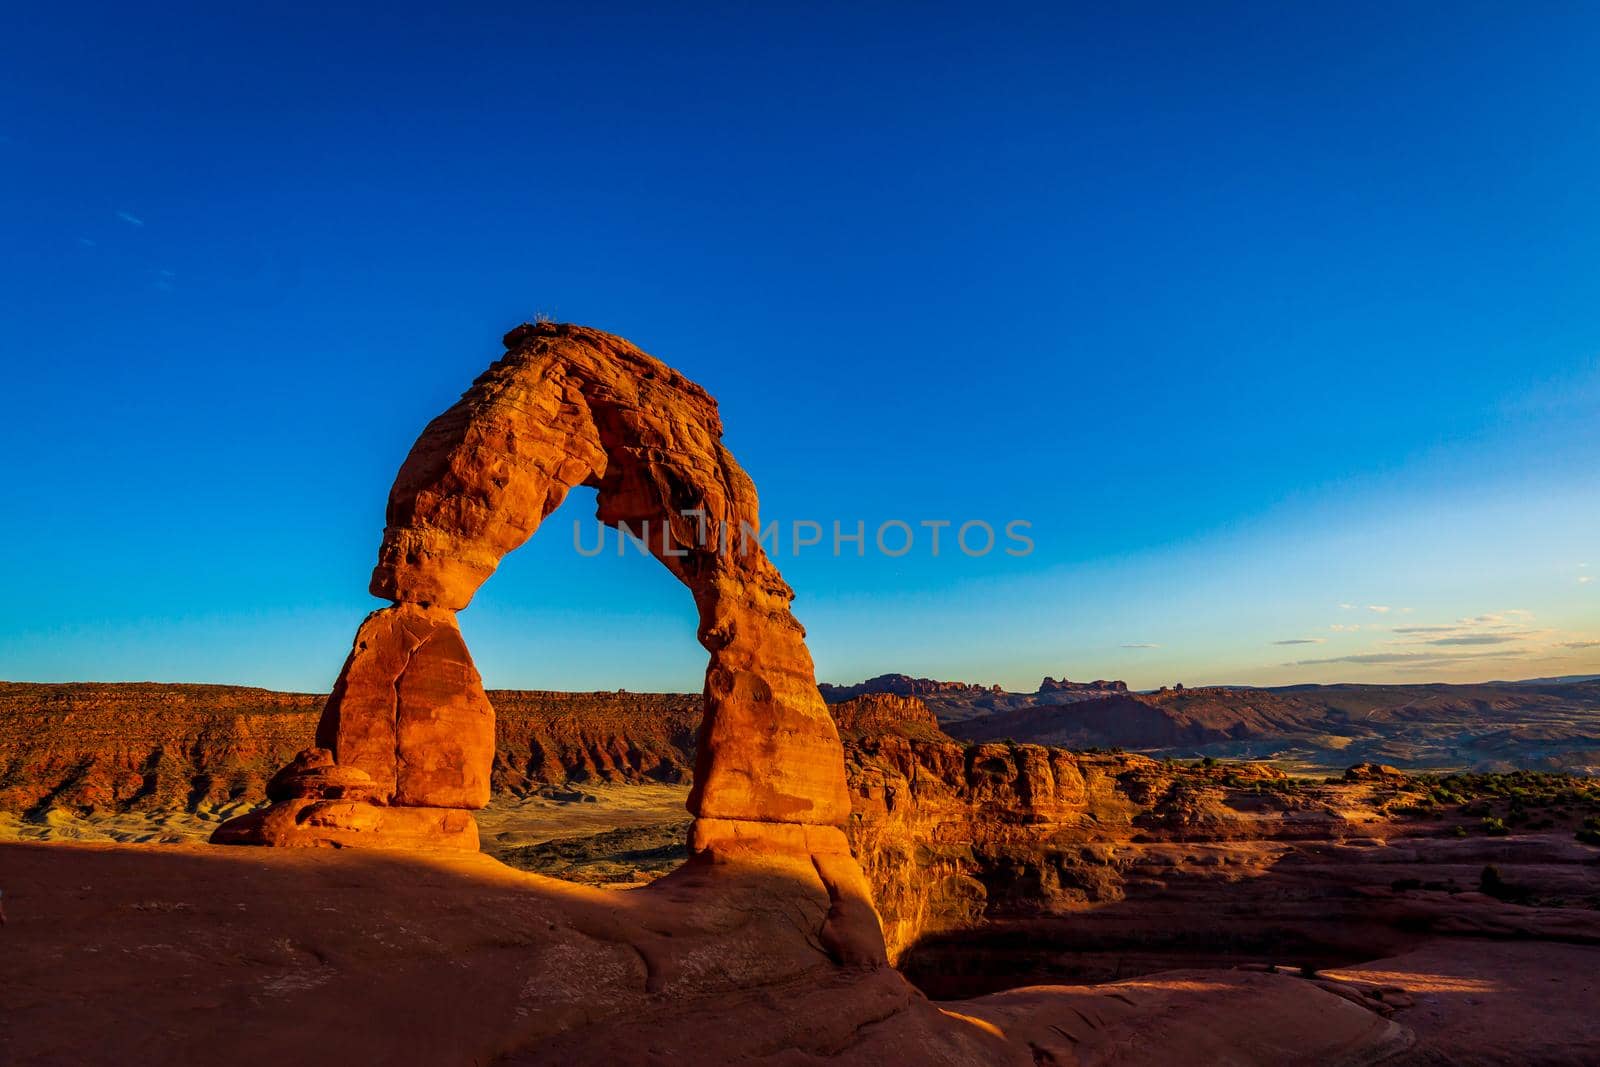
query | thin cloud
(1345,628)
(1410,659)
(85,242)
(1580,644)
(1302,641)
(130,219)
(1348,607)
(1478,639)
(1141,646)
(1503,621)
(1381,609)
(1585,579)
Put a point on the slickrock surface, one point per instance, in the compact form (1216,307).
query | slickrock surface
(121,954)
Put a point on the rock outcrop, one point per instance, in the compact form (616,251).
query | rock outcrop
(879,714)
(547,738)
(904,685)
(1099,685)
(100,747)
(569,406)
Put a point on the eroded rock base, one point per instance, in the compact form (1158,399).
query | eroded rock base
(310,823)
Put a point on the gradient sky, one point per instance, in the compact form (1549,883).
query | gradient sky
(1281,327)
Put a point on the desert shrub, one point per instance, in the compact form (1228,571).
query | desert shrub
(1495,827)
(1491,883)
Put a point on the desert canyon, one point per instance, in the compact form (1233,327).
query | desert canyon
(413,869)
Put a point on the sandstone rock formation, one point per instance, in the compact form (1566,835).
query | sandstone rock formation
(570,406)
(904,685)
(1099,685)
(548,738)
(878,714)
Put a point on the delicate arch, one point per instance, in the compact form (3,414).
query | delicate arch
(570,406)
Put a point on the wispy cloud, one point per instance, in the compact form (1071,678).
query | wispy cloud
(1409,659)
(85,242)
(1585,579)
(1498,622)
(1348,607)
(130,218)
(1345,627)
(1501,636)
(1141,646)
(1302,641)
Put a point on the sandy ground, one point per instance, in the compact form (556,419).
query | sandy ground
(508,822)
(511,823)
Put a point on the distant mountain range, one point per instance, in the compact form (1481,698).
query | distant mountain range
(1545,724)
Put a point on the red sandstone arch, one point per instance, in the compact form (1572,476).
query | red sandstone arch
(406,740)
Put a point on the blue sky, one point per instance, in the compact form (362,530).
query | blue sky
(1276,325)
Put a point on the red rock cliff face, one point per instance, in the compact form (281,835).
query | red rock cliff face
(877,714)
(115,747)
(995,860)
(88,746)
(544,738)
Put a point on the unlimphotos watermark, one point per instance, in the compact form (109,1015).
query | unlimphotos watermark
(697,532)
